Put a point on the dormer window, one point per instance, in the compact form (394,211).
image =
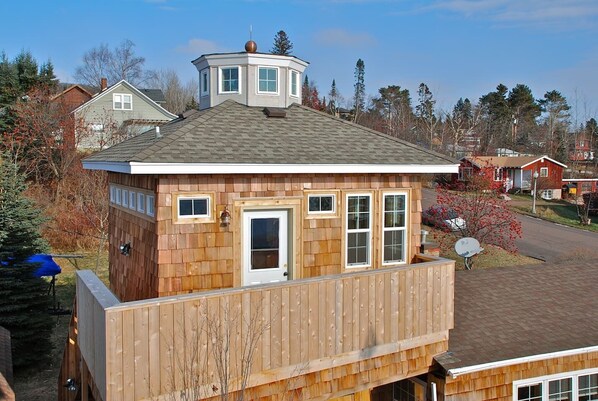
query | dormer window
(294,83)
(229,80)
(121,101)
(204,83)
(267,80)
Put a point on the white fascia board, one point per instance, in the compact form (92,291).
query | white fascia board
(516,361)
(547,158)
(226,168)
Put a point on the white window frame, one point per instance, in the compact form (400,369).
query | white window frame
(543,171)
(125,198)
(266,67)
(140,202)
(132,200)
(544,380)
(122,101)
(195,216)
(221,79)
(348,231)
(150,208)
(204,82)
(404,229)
(320,195)
(465,173)
(292,74)
(112,194)
(498,174)
(117,196)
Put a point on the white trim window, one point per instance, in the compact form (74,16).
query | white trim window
(122,101)
(572,386)
(125,198)
(321,203)
(140,202)
(394,228)
(117,196)
(132,200)
(543,171)
(204,82)
(267,80)
(194,207)
(359,230)
(294,84)
(465,173)
(498,174)
(230,79)
(112,194)
(150,210)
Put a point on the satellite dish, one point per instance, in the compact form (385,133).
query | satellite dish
(467,248)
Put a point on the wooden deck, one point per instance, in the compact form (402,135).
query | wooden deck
(378,326)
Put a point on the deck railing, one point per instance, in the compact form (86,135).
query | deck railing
(148,349)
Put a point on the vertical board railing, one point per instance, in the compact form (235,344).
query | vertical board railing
(163,345)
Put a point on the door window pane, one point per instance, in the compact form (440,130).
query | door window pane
(264,243)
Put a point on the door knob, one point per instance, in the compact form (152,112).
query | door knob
(285,274)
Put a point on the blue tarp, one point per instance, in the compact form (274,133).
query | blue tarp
(48,266)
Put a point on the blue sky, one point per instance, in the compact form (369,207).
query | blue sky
(460,48)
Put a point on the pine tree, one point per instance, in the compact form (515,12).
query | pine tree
(282,44)
(26,71)
(23,298)
(359,96)
(333,98)
(9,90)
(47,78)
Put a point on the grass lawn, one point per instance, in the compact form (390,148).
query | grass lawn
(492,256)
(40,384)
(557,211)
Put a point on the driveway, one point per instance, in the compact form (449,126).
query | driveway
(542,239)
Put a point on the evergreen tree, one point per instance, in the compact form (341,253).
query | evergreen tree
(47,78)
(26,71)
(333,98)
(282,44)
(524,112)
(497,119)
(23,298)
(424,111)
(9,90)
(555,105)
(359,94)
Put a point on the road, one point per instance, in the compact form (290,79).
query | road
(545,240)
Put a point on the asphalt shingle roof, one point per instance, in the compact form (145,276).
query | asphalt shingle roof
(234,133)
(155,94)
(514,312)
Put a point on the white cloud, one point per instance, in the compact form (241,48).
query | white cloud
(198,47)
(343,38)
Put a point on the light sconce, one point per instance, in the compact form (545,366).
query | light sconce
(125,249)
(225,217)
(70,385)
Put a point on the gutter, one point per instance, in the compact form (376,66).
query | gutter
(454,373)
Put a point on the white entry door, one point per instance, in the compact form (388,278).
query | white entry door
(265,246)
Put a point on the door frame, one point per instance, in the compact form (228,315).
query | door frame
(295,253)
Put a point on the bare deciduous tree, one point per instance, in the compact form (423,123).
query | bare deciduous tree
(178,96)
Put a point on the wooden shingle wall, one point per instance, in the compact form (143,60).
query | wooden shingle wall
(497,384)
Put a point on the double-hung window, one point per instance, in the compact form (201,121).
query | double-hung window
(394,227)
(543,171)
(122,101)
(359,230)
(229,80)
(267,80)
(294,83)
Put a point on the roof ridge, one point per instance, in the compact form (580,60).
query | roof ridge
(378,133)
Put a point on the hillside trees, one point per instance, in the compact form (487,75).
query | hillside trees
(23,298)
(178,96)
(394,113)
(524,113)
(425,113)
(556,124)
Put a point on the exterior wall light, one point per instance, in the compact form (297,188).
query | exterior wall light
(125,249)
(70,385)
(225,217)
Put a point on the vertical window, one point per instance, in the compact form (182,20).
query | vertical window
(530,393)
(117,196)
(150,207)
(543,171)
(267,80)
(112,193)
(141,203)
(294,83)
(497,174)
(122,101)
(229,80)
(204,83)
(394,228)
(588,387)
(125,202)
(358,230)
(132,200)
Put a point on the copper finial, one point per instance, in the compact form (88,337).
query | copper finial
(250,46)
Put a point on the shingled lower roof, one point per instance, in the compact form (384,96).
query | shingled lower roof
(506,314)
(232,134)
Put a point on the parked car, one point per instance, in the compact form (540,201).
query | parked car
(443,217)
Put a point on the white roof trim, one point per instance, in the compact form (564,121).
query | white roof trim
(580,179)
(547,158)
(229,168)
(532,358)
(132,88)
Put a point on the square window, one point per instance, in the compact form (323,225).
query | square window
(122,101)
(194,207)
(321,204)
(588,387)
(229,80)
(530,393)
(267,80)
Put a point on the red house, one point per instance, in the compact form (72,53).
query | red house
(516,173)
(581,149)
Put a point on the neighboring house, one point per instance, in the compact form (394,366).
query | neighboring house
(579,186)
(581,149)
(303,226)
(522,334)
(72,97)
(117,112)
(515,173)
